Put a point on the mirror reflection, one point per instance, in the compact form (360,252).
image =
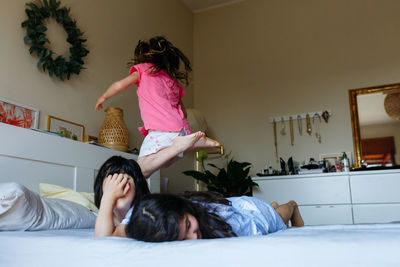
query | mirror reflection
(376,126)
(378,131)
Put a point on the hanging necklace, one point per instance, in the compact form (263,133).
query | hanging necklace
(300,124)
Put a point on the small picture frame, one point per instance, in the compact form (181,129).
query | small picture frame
(18,114)
(66,128)
(333,158)
(90,138)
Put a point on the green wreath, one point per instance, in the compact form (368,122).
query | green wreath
(37,13)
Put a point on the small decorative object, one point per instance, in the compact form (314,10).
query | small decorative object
(325,116)
(317,129)
(283,166)
(291,166)
(392,105)
(308,122)
(38,12)
(234,180)
(276,142)
(346,163)
(300,124)
(114,133)
(18,115)
(66,128)
(291,131)
(90,138)
(283,127)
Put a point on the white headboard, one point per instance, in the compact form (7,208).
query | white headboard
(30,157)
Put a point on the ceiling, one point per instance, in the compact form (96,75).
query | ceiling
(203,5)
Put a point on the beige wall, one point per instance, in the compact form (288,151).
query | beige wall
(113,29)
(258,59)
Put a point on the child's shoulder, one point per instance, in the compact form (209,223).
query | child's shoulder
(141,67)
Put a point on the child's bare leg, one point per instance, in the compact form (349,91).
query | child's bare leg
(153,162)
(290,211)
(296,219)
(170,162)
(285,211)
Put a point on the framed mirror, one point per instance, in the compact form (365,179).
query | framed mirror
(375,119)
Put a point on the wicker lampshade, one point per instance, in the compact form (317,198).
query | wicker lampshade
(113,133)
(392,105)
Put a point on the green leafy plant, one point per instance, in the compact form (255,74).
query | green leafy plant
(38,12)
(234,180)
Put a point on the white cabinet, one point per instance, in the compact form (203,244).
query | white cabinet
(337,198)
(326,214)
(375,197)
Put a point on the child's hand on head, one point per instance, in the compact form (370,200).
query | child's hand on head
(116,186)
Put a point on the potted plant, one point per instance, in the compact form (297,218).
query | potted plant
(234,180)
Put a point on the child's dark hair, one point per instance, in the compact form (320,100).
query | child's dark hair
(164,56)
(118,164)
(156,219)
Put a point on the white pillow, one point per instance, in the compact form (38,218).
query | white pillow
(22,209)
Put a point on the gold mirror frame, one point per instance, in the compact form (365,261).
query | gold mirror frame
(355,123)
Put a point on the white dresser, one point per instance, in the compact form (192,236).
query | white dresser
(337,198)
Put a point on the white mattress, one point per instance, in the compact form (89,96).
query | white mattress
(334,245)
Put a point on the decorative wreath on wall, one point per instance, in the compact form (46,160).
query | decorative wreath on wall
(37,13)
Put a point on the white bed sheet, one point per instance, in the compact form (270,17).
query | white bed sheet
(334,245)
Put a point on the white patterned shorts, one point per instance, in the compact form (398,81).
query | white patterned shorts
(157,140)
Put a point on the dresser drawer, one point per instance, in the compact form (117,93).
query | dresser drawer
(375,188)
(305,191)
(326,214)
(376,213)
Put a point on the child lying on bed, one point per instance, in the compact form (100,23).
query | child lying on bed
(118,186)
(167,217)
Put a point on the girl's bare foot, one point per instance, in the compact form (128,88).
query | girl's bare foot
(274,205)
(296,219)
(205,142)
(183,143)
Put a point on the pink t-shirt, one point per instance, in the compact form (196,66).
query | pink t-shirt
(159,97)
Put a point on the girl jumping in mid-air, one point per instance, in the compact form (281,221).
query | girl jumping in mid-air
(118,186)
(157,76)
(166,217)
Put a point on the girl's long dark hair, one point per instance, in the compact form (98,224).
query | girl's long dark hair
(118,164)
(156,217)
(164,56)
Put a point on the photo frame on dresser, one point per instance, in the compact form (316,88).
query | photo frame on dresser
(68,129)
(18,114)
(332,158)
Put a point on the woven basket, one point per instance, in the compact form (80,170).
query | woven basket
(113,133)
(392,105)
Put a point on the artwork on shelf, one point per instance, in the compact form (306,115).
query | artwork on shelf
(66,128)
(18,114)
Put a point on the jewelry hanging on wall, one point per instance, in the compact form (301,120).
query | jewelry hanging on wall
(317,131)
(283,127)
(325,115)
(308,123)
(291,130)
(300,124)
(276,142)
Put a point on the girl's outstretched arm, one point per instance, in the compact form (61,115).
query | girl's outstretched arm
(117,87)
(114,187)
